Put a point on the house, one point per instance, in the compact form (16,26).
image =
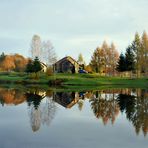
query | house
(44,67)
(66,65)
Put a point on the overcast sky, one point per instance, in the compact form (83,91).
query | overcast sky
(73,26)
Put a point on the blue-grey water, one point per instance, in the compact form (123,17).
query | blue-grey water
(116,118)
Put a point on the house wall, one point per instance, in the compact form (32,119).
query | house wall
(44,68)
(66,66)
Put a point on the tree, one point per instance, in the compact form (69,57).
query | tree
(106,52)
(36,65)
(44,50)
(88,69)
(8,63)
(121,64)
(113,58)
(104,59)
(36,46)
(2,57)
(144,53)
(20,62)
(14,62)
(98,60)
(94,61)
(130,59)
(136,46)
(29,67)
(81,61)
(48,54)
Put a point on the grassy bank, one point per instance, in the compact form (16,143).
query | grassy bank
(72,80)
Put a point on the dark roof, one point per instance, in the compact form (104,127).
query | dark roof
(43,64)
(66,99)
(67,58)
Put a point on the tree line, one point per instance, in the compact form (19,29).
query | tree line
(135,59)
(106,60)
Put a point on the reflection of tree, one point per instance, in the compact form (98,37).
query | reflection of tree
(104,106)
(136,109)
(35,119)
(33,99)
(80,104)
(127,104)
(48,111)
(41,112)
(140,118)
(11,96)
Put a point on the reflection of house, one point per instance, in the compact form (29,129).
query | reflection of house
(66,99)
(66,65)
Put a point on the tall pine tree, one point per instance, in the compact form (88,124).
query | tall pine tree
(36,65)
(130,59)
(121,64)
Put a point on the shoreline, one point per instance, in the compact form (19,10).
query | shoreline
(73,81)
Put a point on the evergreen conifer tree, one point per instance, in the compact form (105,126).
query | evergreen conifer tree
(130,59)
(121,64)
(29,67)
(36,65)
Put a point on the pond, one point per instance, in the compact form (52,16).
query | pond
(110,118)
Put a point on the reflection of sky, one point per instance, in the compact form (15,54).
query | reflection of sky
(69,129)
(72,26)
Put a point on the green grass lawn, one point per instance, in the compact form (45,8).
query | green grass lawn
(96,80)
(73,80)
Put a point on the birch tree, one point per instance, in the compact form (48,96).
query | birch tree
(48,53)
(36,47)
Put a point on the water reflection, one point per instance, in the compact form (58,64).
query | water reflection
(11,96)
(135,105)
(105,105)
(66,99)
(40,113)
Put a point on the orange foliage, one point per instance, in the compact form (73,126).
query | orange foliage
(13,63)
(88,69)
(10,97)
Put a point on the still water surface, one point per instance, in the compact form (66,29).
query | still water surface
(33,118)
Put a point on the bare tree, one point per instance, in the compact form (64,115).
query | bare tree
(44,50)
(48,55)
(36,47)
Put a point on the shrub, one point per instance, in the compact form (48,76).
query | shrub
(49,71)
